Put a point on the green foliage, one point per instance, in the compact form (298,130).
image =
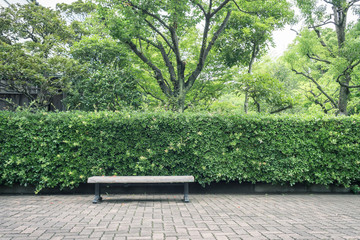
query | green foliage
(33,41)
(76,14)
(49,150)
(110,82)
(271,88)
(169,43)
(248,35)
(319,71)
(355,189)
(263,88)
(228,102)
(39,29)
(98,49)
(327,58)
(107,87)
(78,10)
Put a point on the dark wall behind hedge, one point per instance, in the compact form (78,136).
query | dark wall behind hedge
(63,149)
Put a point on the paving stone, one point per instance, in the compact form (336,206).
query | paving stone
(167,217)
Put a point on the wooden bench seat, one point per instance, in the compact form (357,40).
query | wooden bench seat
(98,180)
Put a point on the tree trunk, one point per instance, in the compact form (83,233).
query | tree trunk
(340,15)
(258,106)
(254,53)
(246,104)
(343,97)
(181,96)
(176,85)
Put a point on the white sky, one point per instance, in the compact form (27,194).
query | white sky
(282,39)
(45,3)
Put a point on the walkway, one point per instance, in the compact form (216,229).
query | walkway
(222,216)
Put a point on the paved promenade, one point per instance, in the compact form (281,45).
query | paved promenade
(222,216)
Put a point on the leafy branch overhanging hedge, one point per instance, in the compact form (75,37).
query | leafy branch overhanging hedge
(63,149)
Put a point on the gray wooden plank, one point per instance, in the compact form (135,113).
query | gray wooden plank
(140,179)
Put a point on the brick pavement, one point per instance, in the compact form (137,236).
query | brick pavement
(222,216)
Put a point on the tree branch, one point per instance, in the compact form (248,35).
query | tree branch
(281,109)
(243,11)
(345,85)
(31,36)
(150,42)
(165,57)
(204,40)
(158,74)
(297,33)
(350,67)
(325,23)
(217,34)
(148,13)
(333,103)
(316,101)
(312,93)
(180,64)
(219,8)
(168,64)
(322,41)
(254,52)
(204,52)
(328,2)
(200,6)
(318,59)
(210,6)
(157,31)
(149,93)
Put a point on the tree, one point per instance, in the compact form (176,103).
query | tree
(270,86)
(209,85)
(323,54)
(110,82)
(262,88)
(100,50)
(33,59)
(249,33)
(159,28)
(76,14)
(107,87)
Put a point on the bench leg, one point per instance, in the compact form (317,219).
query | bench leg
(97,193)
(186,192)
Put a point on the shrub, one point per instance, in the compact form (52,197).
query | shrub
(63,149)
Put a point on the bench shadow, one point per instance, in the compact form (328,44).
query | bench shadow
(128,200)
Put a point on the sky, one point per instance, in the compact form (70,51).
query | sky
(282,38)
(45,3)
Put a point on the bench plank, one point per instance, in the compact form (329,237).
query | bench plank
(98,180)
(140,179)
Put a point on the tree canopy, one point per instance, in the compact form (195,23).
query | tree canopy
(33,56)
(173,39)
(182,54)
(328,58)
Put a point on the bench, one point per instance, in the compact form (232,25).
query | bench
(98,180)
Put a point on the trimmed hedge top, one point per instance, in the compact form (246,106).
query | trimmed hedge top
(64,149)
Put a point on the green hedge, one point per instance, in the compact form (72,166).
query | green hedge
(63,149)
